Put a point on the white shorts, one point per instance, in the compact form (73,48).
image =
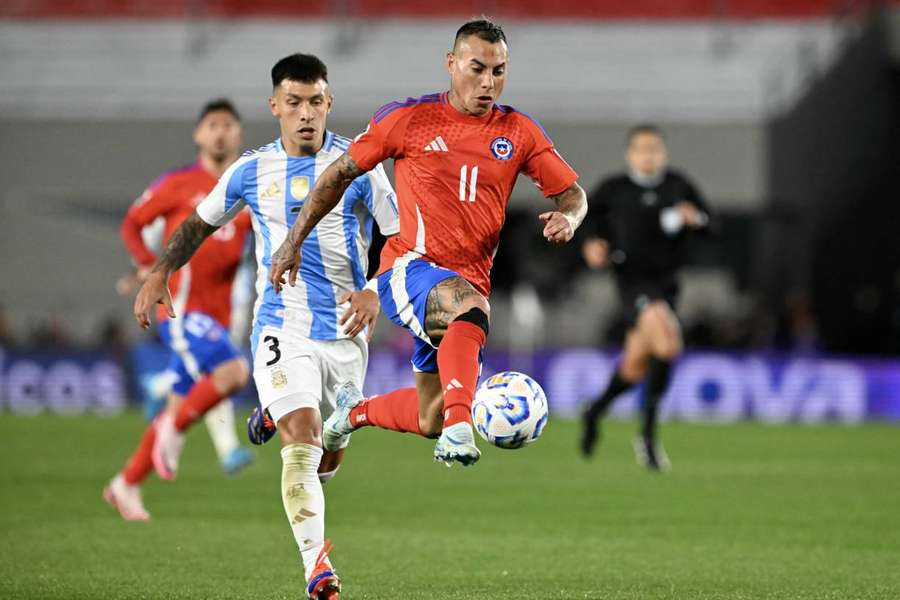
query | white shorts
(294,372)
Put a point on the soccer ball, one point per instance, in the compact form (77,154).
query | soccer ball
(510,410)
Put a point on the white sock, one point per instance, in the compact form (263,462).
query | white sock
(304,502)
(220,423)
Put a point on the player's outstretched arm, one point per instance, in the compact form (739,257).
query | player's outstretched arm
(560,224)
(325,195)
(184,243)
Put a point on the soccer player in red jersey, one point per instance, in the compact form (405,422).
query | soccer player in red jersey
(457,155)
(207,367)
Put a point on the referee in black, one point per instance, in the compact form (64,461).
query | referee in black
(638,221)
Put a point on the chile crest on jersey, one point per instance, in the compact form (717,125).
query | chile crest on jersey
(502,148)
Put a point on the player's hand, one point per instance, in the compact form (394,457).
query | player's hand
(690,214)
(595,252)
(362,312)
(154,291)
(285,259)
(557,228)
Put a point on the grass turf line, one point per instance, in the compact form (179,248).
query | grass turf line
(749,511)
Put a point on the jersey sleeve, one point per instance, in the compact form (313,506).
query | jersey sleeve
(227,198)
(546,168)
(156,201)
(383,138)
(382,201)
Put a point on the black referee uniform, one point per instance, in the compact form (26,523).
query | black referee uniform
(636,216)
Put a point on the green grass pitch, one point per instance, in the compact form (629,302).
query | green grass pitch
(749,511)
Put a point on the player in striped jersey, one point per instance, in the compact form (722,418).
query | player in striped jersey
(306,341)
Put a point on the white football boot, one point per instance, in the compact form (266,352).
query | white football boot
(337,428)
(457,443)
(126,499)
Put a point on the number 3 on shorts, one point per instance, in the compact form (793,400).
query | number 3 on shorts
(273,347)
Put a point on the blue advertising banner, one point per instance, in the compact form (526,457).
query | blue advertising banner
(706,386)
(67,383)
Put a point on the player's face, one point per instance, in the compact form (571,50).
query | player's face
(646,154)
(218,135)
(301,110)
(477,74)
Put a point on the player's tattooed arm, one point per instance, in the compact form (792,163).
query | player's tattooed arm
(327,192)
(181,247)
(183,244)
(560,225)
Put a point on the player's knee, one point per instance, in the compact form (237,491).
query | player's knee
(669,349)
(231,376)
(478,315)
(301,426)
(242,373)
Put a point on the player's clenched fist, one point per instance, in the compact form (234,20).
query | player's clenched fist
(558,228)
(362,312)
(285,259)
(154,291)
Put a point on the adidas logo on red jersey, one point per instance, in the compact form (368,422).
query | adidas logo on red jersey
(437,145)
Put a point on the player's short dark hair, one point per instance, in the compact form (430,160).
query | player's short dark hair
(644,128)
(305,68)
(217,105)
(482,28)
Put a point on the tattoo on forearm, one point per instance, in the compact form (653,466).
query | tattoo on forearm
(327,192)
(443,303)
(572,202)
(185,241)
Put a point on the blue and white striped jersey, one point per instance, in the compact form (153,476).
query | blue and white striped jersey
(334,258)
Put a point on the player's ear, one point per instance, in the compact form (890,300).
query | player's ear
(330,102)
(451,61)
(273,106)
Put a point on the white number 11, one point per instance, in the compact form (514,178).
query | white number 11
(462,183)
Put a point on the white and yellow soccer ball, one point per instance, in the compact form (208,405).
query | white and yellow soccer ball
(510,410)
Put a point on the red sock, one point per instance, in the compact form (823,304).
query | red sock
(397,411)
(202,397)
(458,364)
(140,464)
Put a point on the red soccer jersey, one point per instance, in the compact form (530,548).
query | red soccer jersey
(454,175)
(204,284)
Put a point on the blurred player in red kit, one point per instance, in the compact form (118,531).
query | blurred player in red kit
(457,155)
(205,366)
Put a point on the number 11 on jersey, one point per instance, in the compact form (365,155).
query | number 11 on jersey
(463,183)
